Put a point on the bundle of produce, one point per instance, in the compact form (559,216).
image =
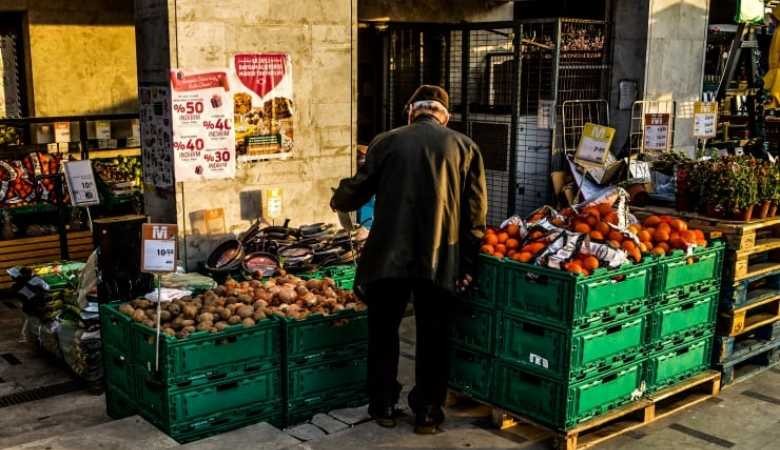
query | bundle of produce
(244,304)
(120,176)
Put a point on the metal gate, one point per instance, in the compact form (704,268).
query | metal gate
(510,110)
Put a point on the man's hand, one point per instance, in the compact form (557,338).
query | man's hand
(464,283)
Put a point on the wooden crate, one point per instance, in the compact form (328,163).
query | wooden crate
(43,249)
(749,317)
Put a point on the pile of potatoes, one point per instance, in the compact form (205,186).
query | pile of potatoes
(245,303)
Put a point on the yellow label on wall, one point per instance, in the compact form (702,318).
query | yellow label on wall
(273,204)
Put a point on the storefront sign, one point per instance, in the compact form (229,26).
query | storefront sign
(204,142)
(81,183)
(61,131)
(158,252)
(594,145)
(657,132)
(263,105)
(705,120)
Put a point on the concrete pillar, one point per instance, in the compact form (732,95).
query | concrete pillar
(319,35)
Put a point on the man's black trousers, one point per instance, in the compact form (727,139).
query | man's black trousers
(387,301)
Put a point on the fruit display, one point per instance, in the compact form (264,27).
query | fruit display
(29,180)
(244,303)
(120,175)
(9,135)
(590,238)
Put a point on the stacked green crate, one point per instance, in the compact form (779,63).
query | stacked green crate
(205,384)
(325,365)
(687,291)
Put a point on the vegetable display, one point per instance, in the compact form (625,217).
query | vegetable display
(245,303)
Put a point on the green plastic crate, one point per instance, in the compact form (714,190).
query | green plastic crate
(115,330)
(561,405)
(118,371)
(678,270)
(303,410)
(118,403)
(471,372)
(567,355)
(678,317)
(323,379)
(169,407)
(205,357)
(561,299)
(473,327)
(318,337)
(343,275)
(489,289)
(672,366)
(226,421)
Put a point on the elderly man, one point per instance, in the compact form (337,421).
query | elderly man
(430,213)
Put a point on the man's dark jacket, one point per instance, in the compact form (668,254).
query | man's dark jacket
(431,204)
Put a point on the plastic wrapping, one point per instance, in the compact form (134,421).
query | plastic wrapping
(193,282)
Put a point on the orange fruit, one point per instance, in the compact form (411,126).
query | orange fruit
(536,235)
(677,243)
(644,236)
(651,221)
(661,235)
(666,219)
(679,225)
(582,228)
(614,244)
(512,244)
(634,228)
(534,248)
(592,211)
(491,239)
(523,257)
(635,254)
(615,235)
(513,230)
(511,253)
(663,226)
(689,237)
(501,248)
(674,235)
(629,245)
(605,209)
(590,263)
(575,267)
(644,248)
(502,237)
(611,218)
(499,255)
(596,235)
(487,249)
(604,228)
(659,251)
(664,246)
(592,221)
(699,234)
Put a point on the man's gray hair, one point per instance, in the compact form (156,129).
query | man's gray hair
(430,108)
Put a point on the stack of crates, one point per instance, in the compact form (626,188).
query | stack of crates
(559,349)
(206,384)
(684,314)
(325,365)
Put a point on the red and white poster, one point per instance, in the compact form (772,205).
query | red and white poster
(204,140)
(263,105)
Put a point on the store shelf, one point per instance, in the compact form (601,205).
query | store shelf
(37,208)
(42,249)
(109,153)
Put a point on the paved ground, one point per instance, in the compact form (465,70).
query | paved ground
(746,416)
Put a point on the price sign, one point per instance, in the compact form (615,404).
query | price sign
(657,132)
(158,251)
(705,120)
(204,141)
(81,183)
(61,131)
(594,145)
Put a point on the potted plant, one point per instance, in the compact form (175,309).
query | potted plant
(775,174)
(729,186)
(766,188)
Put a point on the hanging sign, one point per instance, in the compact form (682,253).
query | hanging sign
(81,183)
(705,120)
(594,145)
(158,249)
(263,105)
(657,132)
(204,142)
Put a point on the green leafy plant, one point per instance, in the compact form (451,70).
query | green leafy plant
(727,184)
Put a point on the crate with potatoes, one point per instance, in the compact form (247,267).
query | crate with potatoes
(584,310)
(236,354)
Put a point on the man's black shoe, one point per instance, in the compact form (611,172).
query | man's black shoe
(385,416)
(428,420)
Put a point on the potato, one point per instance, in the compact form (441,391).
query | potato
(139,315)
(178,323)
(259,315)
(234,320)
(314,284)
(248,322)
(174,308)
(150,323)
(188,323)
(165,315)
(245,299)
(190,311)
(310,299)
(204,326)
(169,332)
(127,309)
(206,317)
(151,313)
(141,303)
(287,295)
(223,313)
(189,329)
(245,311)
(301,291)
(221,325)
(183,334)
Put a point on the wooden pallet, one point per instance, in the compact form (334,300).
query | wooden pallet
(749,364)
(749,317)
(750,290)
(761,260)
(38,250)
(659,405)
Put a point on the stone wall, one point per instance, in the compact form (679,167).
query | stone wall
(319,36)
(81,56)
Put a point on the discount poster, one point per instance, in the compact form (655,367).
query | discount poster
(263,105)
(204,141)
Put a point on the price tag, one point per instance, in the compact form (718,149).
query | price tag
(705,120)
(656,132)
(158,252)
(594,145)
(81,183)
(102,130)
(61,131)
(274,205)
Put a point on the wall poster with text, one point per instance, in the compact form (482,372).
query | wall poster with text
(263,105)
